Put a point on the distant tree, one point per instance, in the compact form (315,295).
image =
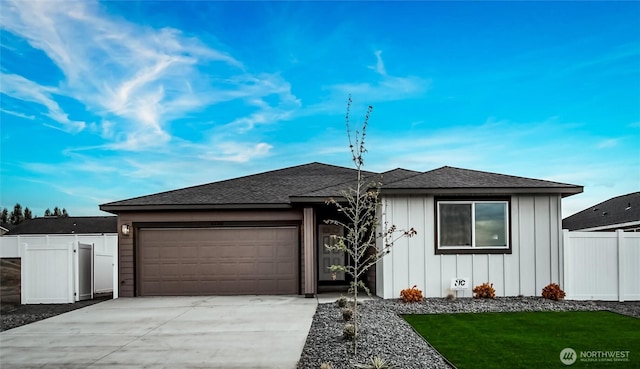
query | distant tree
(4,218)
(47,213)
(16,216)
(56,212)
(27,213)
(64,213)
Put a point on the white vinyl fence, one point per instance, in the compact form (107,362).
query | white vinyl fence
(602,265)
(63,268)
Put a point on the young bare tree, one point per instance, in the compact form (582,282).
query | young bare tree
(360,208)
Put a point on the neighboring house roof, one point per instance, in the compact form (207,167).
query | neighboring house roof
(315,182)
(6,227)
(616,213)
(66,225)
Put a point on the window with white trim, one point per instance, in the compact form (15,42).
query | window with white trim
(472,225)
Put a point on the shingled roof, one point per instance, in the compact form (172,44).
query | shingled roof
(616,213)
(452,180)
(66,225)
(318,181)
(268,189)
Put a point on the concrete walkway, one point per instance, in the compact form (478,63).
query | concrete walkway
(166,332)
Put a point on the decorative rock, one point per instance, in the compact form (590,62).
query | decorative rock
(382,332)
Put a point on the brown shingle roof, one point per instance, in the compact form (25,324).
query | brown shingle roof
(271,188)
(451,177)
(317,181)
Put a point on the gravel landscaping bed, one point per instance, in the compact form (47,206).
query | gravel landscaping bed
(384,333)
(13,316)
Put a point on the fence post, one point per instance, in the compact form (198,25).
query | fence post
(24,277)
(620,248)
(114,263)
(566,272)
(74,281)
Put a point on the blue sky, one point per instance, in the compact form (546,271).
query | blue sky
(103,101)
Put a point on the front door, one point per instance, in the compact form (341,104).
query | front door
(328,235)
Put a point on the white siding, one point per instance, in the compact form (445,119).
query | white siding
(511,265)
(533,263)
(402,262)
(496,272)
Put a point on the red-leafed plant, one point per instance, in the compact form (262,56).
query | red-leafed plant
(553,292)
(412,294)
(484,291)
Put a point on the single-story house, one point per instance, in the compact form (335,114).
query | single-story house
(58,259)
(265,233)
(621,212)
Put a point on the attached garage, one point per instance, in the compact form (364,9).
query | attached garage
(217,261)
(264,233)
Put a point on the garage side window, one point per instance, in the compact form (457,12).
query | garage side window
(472,226)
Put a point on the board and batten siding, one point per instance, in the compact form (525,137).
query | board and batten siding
(535,261)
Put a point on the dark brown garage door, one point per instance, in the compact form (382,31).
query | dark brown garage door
(211,261)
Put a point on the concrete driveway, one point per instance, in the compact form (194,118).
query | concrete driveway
(166,332)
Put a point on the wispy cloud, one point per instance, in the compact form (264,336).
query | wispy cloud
(17,114)
(379,67)
(608,143)
(614,55)
(255,91)
(21,88)
(384,88)
(237,152)
(135,78)
(387,88)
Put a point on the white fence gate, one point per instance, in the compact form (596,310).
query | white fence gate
(64,268)
(47,273)
(601,265)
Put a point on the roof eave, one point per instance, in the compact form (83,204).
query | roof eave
(614,227)
(564,191)
(115,209)
(315,199)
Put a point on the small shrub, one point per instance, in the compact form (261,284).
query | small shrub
(376,363)
(553,292)
(484,291)
(347,314)
(412,294)
(342,302)
(325,365)
(349,331)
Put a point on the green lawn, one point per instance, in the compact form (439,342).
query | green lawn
(531,339)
